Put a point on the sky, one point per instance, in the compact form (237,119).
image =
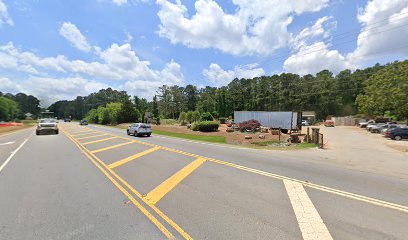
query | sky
(58,49)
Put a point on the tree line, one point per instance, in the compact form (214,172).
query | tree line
(373,91)
(16,106)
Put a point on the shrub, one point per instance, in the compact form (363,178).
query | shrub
(195,116)
(249,125)
(183,118)
(215,114)
(205,126)
(207,117)
(189,116)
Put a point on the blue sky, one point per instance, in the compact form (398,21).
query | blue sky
(60,49)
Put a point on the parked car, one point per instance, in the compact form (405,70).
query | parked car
(375,125)
(328,123)
(397,133)
(67,120)
(378,127)
(46,126)
(364,124)
(139,129)
(305,123)
(388,127)
(83,122)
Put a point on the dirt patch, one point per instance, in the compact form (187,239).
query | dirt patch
(236,138)
(9,129)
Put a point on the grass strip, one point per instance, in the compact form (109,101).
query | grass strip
(213,139)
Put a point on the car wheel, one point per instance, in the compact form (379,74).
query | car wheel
(135,134)
(56,132)
(398,138)
(128,133)
(37,132)
(149,134)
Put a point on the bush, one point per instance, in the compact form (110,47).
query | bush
(195,117)
(207,117)
(183,118)
(205,126)
(189,116)
(249,125)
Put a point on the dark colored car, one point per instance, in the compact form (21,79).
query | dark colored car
(67,120)
(397,133)
(83,122)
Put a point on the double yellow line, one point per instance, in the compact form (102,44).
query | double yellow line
(111,175)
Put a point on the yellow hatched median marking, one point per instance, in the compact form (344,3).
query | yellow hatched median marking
(98,141)
(160,191)
(111,147)
(100,135)
(131,158)
(83,134)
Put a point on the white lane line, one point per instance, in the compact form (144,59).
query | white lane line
(310,223)
(12,155)
(7,143)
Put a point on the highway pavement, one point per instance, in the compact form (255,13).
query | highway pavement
(95,182)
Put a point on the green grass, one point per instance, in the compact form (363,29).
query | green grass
(213,139)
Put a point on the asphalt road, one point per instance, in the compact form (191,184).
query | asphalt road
(98,183)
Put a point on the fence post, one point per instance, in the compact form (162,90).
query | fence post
(308,135)
(279,135)
(322,144)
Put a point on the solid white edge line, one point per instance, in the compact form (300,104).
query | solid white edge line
(12,154)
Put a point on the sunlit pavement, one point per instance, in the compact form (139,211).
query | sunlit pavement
(98,183)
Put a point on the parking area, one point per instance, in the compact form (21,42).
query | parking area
(183,193)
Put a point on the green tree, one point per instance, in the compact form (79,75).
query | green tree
(8,109)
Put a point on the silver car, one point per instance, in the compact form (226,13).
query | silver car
(139,129)
(47,126)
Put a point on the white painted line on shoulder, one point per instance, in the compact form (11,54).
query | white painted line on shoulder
(7,143)
(310,223)
(12,155)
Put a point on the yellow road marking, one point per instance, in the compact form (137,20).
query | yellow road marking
(100,135)
(316,186)
(82,131)
(310,223)
(153,219)
(98,141)
(165,187)
(112,147)
(84,134)
(276,176)
(131,158)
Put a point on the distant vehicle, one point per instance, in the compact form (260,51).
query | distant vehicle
(328,123)
(397,133)
(83,122)
(390,127)
(305,123)
(139,129)
(67,120)
(378,127)
(47,126)
(375,125)
(364,124)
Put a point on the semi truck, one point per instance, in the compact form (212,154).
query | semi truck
(286,121)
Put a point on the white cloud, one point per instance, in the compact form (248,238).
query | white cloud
(119,2)
(4,17)
(379,37)
(321,28)
(8,86)
(118,64)
(72,34)
(220,77)
(256,27)
(314,58)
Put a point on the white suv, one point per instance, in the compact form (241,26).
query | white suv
(47,126)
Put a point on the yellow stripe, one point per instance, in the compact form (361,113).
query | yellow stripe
(131,158)
(165,187)
(100,135)
(101,140)
(154,220)
(84,134)
(112,147)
